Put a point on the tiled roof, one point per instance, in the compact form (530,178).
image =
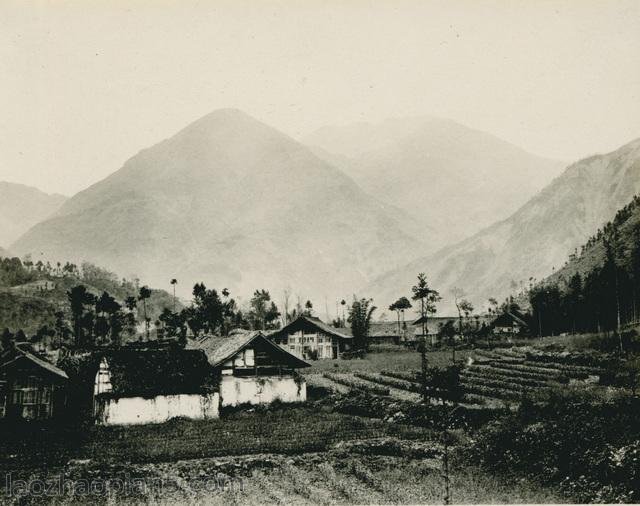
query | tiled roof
(315,322)
(220,349)
(47,366)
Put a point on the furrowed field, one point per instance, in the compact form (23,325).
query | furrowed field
(362,437)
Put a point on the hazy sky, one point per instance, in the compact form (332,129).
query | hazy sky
(87,84)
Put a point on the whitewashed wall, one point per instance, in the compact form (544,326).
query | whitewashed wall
(137,410)
(260,390)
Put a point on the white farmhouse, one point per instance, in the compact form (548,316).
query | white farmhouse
(254,370)
(152,386)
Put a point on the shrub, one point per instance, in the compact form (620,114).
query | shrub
(589,449)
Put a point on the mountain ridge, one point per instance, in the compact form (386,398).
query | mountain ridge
(21,207)
(534,239)
(453,178)
(234,202)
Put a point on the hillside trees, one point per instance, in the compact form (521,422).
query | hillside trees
(6,340)
(13,272)
(95,319)
(602,297)
(263,313)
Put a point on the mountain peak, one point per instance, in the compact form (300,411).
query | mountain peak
(232,201)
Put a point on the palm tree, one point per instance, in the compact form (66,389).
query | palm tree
(394,307)
(403,303)
(144,294)
(174,282)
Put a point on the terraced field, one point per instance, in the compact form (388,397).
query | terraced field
(509,375)
(489,378)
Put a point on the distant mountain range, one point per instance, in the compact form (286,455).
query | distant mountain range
(234,203)
(531,242)
(453,179)
(21,207)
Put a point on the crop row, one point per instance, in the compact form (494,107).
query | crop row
(507,372)
(578,369)
(412,376)
(501,382)
(551,374)
(522,366)
(493,392)
(487,354)
(488,374)
(356,384)
(511,353)
(552,369)
(389,381)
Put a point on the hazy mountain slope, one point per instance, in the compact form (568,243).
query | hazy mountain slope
(539,236)
(455,179)
(21,207)
(235,203)
(592,254)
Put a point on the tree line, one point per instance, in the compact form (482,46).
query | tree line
(602,298)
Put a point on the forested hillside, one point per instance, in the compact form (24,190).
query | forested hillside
(599,286)
(32,293)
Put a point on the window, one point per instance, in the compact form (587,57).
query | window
(249,357)
(32,397)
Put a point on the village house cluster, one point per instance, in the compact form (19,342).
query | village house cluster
(153,382)
(149,382)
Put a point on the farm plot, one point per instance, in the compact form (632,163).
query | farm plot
(289,430)
(510,374)
(365,474)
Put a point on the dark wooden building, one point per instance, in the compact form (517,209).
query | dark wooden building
(31,388)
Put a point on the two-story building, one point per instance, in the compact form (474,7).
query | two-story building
(253,369)
(310,338)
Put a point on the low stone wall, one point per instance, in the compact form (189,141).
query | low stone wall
(261,390)
(138,410)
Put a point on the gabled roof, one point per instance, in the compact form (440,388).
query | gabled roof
(220,349)
(313,321)
(508,318)
(147,373)
(23,355)
(386,329)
